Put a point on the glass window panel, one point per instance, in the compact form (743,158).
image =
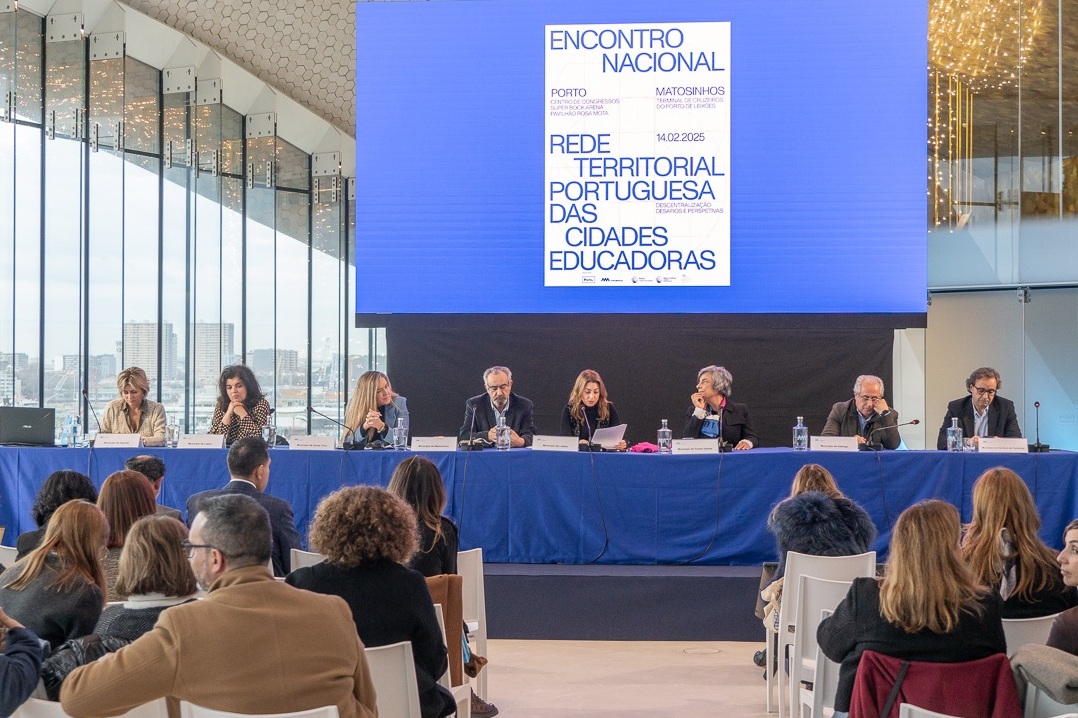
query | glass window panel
(327,311)
(28,291)
(65,87)
(174,230)
(293,167)
(29,66)
(293,330)
(8,388)
(142,85)
(261,266)
(141,259)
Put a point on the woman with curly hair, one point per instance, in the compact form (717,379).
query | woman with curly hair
(242,409)
(126,496)
(368,535)
(58,590)
(61,487)
(418,481)
(1002,547)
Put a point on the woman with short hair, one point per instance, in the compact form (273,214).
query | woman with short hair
(368,535)
(714,416)
(132,412)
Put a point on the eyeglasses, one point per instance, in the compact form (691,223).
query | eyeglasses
(498,387)
(866,398)
(982,392)
(190,547)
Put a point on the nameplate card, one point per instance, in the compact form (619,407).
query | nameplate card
(999,445)
(833,443)
(694,446)
(118,441)
(313,443)
(434,443)
(201,441)
(555,443)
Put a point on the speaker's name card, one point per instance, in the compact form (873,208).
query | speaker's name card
(555,443)
(118,441)
(201,441)
(694,446)
(434,443)
(313,443)
(833,443)
(999,445)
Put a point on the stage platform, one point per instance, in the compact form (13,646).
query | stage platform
(622,603)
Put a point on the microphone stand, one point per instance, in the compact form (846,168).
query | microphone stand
(590,446)
(869,446)
(349,431)
(473,442)
(1038,448)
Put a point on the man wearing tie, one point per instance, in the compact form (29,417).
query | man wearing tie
(865,413)
(982,413)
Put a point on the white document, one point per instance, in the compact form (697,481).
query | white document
(313,443)
(999,445)
(201,441)
(434,443)
(555,443)
(118,441)
(694,446)
(833,443)
(610,436)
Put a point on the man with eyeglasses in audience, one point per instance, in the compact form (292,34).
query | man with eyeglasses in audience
(481,412)
(866,416)
(983,412)
(253,645)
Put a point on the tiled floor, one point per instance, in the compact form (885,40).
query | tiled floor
(597,679)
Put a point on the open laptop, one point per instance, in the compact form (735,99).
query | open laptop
(27,426)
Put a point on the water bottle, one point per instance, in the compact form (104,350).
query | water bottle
(65,432)
(954,436)
(400,434)
(503,436)
(665,438)
(801,435)
(76,425)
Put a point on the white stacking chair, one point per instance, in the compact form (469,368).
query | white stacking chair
(1020,631)
(462,694)
(302,559)
(38,708)
(474,601)
(834,568)
(1040,705)
(7,555)
(191,710)
(393,673)
(814,596)
(908,710)
(820,701)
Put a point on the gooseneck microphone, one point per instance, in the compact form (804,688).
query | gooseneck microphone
(472,442)
(876,447)
(86,398)
(1038,448)
(349,431)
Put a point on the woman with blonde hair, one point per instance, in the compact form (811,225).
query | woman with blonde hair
(1003,549)
(133,413)
(372,410)
(368,535)
(59,589)
(818,519)
(927,607)
(126,496)
(588,408)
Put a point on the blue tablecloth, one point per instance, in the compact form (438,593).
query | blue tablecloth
(526,506)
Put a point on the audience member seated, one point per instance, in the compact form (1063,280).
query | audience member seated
(20,664)
(154,575)
(714,416)
(126,496)
(153,468)
(367,536)
(589,409)
(372,410)
(418,481)
(928,607)
(58,489)
(58,590)
(252,645)
(1064,635)
(818,520)
(1004,551)
(242,409)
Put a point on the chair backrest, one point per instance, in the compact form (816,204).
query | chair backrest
(824,682)
(833,568)
(473,596)
(301,559)
(1041,705)
(191,710)
(1020,631)
(908,710)
(37,708)
(7,555)
(815,595)
(443,680)
(393,673)
(445,590)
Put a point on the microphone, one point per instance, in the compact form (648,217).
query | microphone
(875,447)
(473,442)
(1038,447)
(86,398)
(345,444)
(584,412)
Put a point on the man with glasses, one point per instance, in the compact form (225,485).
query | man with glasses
(481,412)
(253,645)
(866,416)
(982,413)
(249,467)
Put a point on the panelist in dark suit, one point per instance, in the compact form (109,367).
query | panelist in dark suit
(481,412)
(982,413)
(713,413)
(863,414)
(249,466)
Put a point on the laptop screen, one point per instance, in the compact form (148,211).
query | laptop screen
(27,426)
